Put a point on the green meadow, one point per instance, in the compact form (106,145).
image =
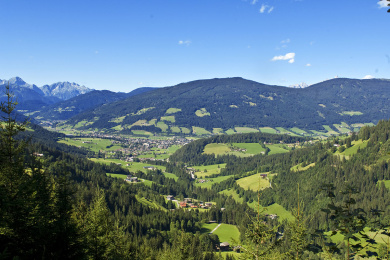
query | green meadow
(245,130)
(205,171)
(211,181)
(254,182)
(93,144)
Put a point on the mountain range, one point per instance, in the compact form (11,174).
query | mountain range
(214,105)
(31,97)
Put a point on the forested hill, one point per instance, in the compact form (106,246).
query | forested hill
(229,102)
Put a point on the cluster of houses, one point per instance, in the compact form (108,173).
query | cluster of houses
(189,203)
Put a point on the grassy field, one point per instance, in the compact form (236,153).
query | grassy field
(200,131)
(254,182)
(298,131)
(352,113)
(246,130)
(386,182)
(175,129)
(251,148)
(342,128)
(277,148)
(299,168)
(93,144)
(211,181)
(272,209)
(228,233)
(133,166)
(168,118)
(359,144)
(149,203)
(282,130)
(230,131)
(216,149)
(172,110)
(329,130)
(141,132)
(185,130)
(170,175)
(163,126)
(210,170)
(202,112)
(268,130)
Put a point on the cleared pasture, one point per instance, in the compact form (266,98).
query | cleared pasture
(93,144)
(228,233)
(268,130)
(172,110)
(245,130)
(254,182)
(205,171)
(200,131)
(168,118)
(211,181)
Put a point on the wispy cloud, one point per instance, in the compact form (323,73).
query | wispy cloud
(383,4)
(368,77)
(266,8)
(308,65)
(254,2)
(186,42)
(285,41)
(289,56)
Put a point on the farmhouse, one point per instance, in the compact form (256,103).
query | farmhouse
(170,197)
(131,179)
(183,204)
(224,246)
(263,176)
(149,168)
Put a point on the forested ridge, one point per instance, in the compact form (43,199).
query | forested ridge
(230,102)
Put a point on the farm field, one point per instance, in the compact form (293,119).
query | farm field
(211,181)
(200,131)
(172,110)
(246,130)
(210,170)
(217,149)
(268,130)
(298,131)
(228,233)
(251,148)
(133,166)
(254,182)
(93,144)
(277,148)
(329,130)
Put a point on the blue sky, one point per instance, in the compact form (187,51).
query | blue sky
(122,45)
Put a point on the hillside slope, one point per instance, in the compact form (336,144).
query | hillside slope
(230,102)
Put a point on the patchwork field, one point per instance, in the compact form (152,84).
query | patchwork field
(133,166)
(225,232)
(268,130)
(200,131)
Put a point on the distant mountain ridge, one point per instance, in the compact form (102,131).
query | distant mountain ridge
(30,97)
(64,90)
(236,102)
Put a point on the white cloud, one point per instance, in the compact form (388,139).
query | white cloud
(254,1)
(266,8)
(383,4)
(187,42)
(368,77)
(286,41)
(308,65)
(289,56)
